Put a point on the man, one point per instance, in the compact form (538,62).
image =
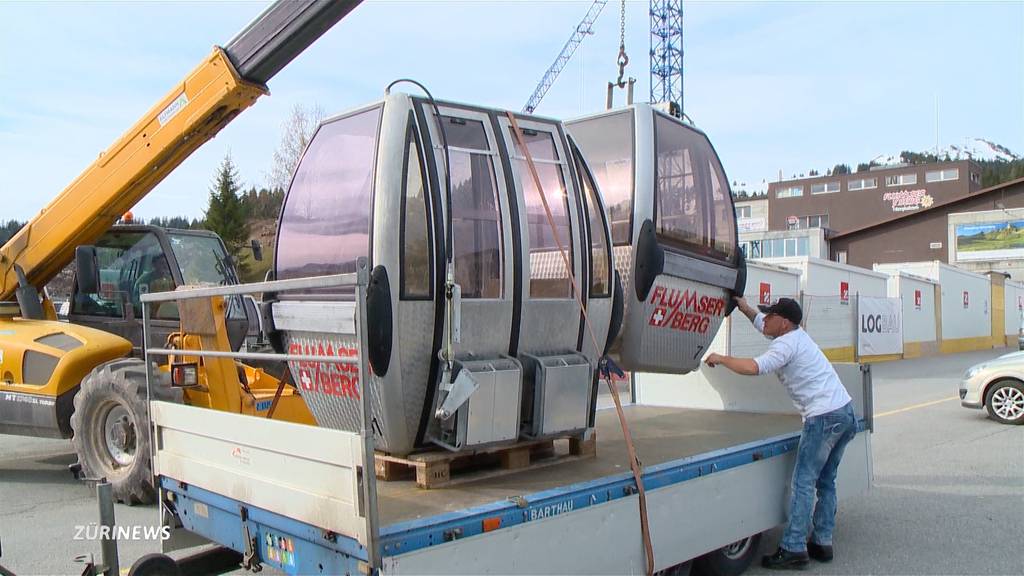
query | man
(828,426)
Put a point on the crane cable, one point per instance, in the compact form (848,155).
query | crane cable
(634,462)
(622,60)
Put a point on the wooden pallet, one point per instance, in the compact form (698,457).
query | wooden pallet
(440,468)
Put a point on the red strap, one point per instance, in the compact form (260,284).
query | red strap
(634,462)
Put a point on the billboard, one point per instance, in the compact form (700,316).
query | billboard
(990,241)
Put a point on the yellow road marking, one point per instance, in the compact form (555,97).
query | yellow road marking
(916,406)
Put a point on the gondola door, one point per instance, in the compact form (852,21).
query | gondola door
(481,236)
(557,387)
(550,316)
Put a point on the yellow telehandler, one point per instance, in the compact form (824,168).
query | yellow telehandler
(80,379)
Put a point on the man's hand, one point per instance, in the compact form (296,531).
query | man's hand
(714,359)
(748,310)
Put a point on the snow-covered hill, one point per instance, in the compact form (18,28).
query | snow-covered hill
(972,148)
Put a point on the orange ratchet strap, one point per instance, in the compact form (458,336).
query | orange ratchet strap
(634,462)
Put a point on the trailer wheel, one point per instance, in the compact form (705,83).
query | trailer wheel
(111,429)
(154,565)
(731,560)
(677,570)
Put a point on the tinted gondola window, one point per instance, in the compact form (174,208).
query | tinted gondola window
(416,245)
(607,145)
(693,209)
(476,220)
(548,275)
(600,257)
(325,222)
(723,240)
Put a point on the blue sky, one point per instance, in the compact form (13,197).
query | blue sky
(787,87)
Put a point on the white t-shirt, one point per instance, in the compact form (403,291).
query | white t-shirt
(808,376)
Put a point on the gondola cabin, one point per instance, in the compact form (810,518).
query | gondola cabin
(673,233)
(476,335)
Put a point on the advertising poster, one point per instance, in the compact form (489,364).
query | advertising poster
(990,241)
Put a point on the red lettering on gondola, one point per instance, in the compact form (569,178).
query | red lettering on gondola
(684,310)
(326,378)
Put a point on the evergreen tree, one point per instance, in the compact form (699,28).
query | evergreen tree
(173,222)
(226,215)
(840,169)
(263,204)
(8,229)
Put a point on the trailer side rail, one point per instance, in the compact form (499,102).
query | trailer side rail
(307,474)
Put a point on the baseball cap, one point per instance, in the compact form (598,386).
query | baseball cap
(787,308)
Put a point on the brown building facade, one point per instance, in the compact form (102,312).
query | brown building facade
(847,202)
(991,220)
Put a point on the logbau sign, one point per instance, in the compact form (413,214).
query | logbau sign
(879,326)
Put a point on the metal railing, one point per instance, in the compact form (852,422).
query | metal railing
(359,280)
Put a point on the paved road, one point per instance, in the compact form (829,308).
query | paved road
(948,496)
(948,493)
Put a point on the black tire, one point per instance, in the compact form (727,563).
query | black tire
(731,560)
(154,565)
(1004,402)
(111,429)
(677,570)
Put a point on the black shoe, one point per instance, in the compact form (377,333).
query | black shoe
(820,552)
(785,560)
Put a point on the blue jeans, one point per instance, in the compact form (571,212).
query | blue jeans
(822,442)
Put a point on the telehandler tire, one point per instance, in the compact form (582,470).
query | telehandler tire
(112,431)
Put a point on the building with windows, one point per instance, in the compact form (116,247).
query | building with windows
(981,231)
(784,243)
(929,212)
(751,215)
(845,202)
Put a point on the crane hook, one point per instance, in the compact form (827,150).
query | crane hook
(623,60)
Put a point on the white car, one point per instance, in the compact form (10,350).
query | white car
(998,386)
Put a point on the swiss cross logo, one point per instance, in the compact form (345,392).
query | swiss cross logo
(967,298)
(306,381)
(658,317)
(765,294)
(844,292)
(917,299)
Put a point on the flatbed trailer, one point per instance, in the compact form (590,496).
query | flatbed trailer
(713,477)
(298,498)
